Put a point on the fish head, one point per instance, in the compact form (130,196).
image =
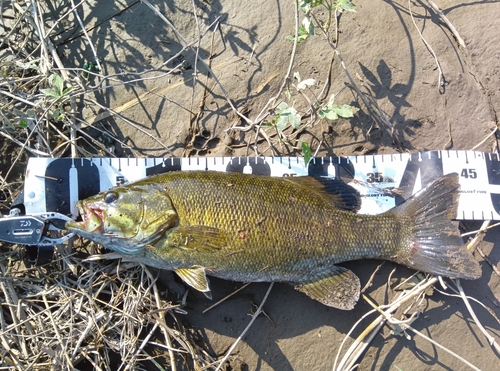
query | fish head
(138,213)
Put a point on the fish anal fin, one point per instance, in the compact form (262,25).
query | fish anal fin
(337,287)
(196,278)
(197,237)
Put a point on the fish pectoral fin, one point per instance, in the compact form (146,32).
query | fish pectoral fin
(337,287)
(196,278)
(197,237)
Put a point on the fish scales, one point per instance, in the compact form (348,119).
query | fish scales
(276,229)
(256,228)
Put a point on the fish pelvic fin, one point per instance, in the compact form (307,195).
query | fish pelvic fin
(196,278)
(433,244)
(337,287)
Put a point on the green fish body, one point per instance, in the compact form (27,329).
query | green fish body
(256,228)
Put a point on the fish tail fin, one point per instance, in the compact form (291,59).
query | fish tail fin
(433,243)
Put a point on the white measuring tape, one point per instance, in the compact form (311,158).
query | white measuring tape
(54,185)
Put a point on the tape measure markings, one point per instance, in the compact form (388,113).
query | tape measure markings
(372,175)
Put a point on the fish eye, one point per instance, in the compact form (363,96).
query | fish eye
(110,197)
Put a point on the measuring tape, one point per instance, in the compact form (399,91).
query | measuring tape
(55,185)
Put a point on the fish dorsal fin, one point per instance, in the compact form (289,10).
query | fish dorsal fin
(197,237)
(337,287)
(340,194)
(196,278)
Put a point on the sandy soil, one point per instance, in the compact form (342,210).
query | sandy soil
(181,113)
(380,45)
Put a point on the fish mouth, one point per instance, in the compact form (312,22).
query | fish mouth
(92,220)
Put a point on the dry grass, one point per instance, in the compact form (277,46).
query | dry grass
(74,313)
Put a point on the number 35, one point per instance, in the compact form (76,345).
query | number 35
(374,178)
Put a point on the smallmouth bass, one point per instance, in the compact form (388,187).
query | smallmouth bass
(255,228)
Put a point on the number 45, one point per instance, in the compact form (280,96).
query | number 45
(469,173)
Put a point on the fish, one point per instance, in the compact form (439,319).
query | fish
(254,228)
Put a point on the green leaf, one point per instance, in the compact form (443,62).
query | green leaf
(56,89)
(345,111)
(282,122)
(307,5)
(308,25)
(328,113)
(306,151)
(305,83)
(50,93)
(58,114)
(58,84)
(281,107)
(282,110)
(344,5)
(294,118)
(23,123)
(286,115)
(302,35)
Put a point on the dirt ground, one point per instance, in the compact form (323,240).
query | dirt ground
(178,109)
(249,53)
